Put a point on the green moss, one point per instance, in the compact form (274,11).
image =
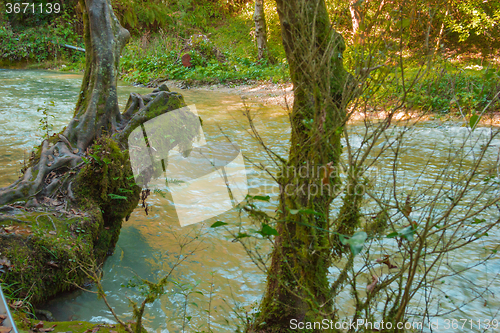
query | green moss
(158,107)
(106,190)
(47,249)
(24,325)
(44,253)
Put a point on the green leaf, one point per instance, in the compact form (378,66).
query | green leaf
(489,74)
(115,196)
(262,198)
(97,158)
(407,233)
(357,241)
(218,224)
(294,211)
(242,235)
(477,221)
(474,119)
(343,240)
(405,23)
(267,231)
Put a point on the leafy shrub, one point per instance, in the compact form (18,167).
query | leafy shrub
(464,90)
(444,89)
(38,44)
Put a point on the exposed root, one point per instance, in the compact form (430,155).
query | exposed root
(70,192)
(10,218)
(62,137)
(50,218)
(140,108)
(33,182)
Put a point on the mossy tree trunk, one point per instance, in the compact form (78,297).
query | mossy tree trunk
(97,107)
(297,285)
(79,180)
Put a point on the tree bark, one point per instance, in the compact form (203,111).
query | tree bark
(81,179)
(356,15)
(260,29)
(97,107)
(297,284)
(356,19)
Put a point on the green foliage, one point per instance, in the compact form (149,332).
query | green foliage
(446,88)
(218,224)
(474,17)
(406,233)
(177,17)
(267,231)
(457,89)
(41,43)
(356,242)
(212,62)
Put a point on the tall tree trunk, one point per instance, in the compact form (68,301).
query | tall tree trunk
(97,107)
(260,29)
(74,176)
(356,19)
(441,31)
(355,15)
(297,284)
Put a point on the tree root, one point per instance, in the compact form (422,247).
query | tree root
(32,182)
(9,218)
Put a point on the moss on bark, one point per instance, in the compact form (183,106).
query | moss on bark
(46,245)
(297,284)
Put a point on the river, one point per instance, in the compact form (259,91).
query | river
(220,276)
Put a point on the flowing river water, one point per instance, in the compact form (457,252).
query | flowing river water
(219,276)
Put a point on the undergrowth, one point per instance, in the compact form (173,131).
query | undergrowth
(445,88)
(159,57)
(41,43)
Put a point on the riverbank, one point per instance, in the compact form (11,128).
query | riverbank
(281,94)
(144,237)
